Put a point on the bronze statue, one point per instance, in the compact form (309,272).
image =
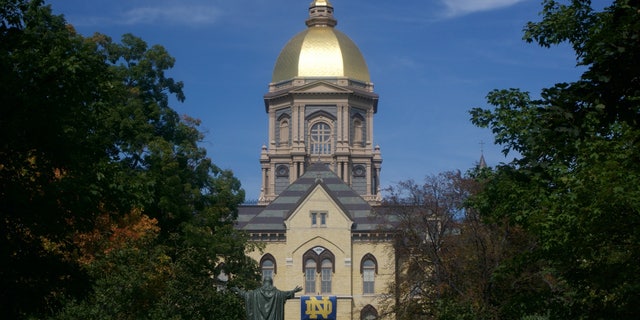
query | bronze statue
(266,302)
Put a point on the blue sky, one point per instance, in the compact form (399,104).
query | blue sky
(430,61)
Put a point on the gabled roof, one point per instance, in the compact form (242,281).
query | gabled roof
(272,217)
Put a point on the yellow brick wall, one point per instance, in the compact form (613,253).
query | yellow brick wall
(335,236)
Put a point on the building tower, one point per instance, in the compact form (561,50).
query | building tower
(321,107)
(315,220)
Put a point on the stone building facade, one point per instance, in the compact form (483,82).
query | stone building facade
(320,179)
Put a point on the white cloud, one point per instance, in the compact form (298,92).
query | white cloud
(462,7)
(151,13)
(172,14)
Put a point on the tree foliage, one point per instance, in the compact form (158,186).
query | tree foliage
(573,187)
(446,254)
(108,205)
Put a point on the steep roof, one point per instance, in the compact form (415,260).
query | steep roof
(272,217)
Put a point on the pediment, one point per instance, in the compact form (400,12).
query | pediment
(324,88)
(319,200)
(320,87)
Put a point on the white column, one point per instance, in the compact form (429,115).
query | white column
(347,124)
(369,178)
(340,124)
(370,127)
(272,128)
(294,123)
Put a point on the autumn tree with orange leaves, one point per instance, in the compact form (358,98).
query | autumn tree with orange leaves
(108,206)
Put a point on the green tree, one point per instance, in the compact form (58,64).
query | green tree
(446,255)
(48,154)
(88,136)
(135,278)
(573,186)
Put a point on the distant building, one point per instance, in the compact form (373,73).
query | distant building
(320,178)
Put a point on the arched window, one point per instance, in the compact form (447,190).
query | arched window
(268,266)
(310,276)
(368,313)
(320,138)
(368,276)
(368,268)
(284,132)
(318,260)
(326,273)
(357,132)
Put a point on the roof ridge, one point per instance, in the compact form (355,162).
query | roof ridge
(274,214)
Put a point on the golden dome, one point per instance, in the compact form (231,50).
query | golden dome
(320,3)
(320,50)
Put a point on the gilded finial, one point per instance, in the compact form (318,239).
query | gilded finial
(316,3)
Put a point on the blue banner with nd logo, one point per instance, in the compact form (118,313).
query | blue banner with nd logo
(318,307)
